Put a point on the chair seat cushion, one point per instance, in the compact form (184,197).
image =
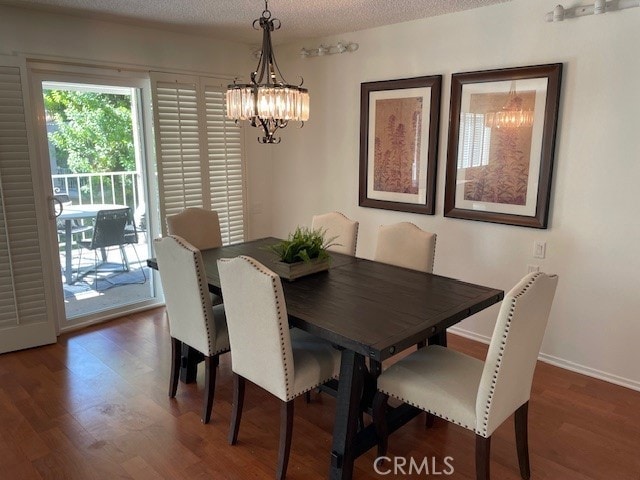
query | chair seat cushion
(438,380)
(315,361)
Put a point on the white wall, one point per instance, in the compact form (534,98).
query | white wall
(43,33)
(594,231)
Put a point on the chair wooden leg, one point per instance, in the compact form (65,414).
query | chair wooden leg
(522,442)
(286,428)
(176,357)
(483,457)
(429,420)
(380,421)
(209,387)
(236,412)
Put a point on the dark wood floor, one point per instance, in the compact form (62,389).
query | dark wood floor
(95,405)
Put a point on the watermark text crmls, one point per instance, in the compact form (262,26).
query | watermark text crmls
(412,466)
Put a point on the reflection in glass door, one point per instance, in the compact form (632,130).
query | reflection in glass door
(95,149)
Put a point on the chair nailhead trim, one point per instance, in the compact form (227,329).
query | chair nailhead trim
(197,259)
(355,240)
(505,334)
(421,407)
(355,243)
(433,257)
(274,284)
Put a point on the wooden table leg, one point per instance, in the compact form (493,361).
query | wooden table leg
(345,428)
(438,339)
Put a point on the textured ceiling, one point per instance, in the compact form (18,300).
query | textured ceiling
(232,19)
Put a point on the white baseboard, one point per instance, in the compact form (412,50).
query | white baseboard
(470,335)
(559,362)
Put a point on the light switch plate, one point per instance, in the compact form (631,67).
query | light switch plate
(539,249)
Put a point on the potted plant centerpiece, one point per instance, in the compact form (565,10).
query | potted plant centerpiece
(303,253)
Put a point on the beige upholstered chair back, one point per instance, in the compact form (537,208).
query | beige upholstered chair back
(405,245)
(508,371)
(199,227)
(258,325)
(337,225)
(186,293)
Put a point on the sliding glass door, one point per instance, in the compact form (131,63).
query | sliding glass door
(92,141)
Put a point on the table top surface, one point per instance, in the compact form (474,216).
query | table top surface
(370,307)
(70,212)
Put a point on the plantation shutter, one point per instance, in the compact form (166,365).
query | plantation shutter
(199,151)
(225,166)
(23,307)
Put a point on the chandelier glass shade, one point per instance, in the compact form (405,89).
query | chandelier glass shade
(512,114)
(268,101)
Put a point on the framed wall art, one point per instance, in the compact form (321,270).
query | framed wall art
(502,129)
(399,122)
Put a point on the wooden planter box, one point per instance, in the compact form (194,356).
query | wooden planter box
(291,271)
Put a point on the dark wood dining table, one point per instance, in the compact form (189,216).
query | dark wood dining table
(369,310)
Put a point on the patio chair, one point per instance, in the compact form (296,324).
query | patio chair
(108,231)
(131,237)
(136,225)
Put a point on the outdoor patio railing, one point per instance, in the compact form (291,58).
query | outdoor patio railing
(123,188)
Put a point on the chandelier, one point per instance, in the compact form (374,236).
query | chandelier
(512,114)
(268,101)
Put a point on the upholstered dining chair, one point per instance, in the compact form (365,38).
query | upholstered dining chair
(337,226)
(476,395)
(198,226)
(201,228)
(287,363)
(406,245)
(192,319)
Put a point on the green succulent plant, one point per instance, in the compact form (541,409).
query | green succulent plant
(303,245)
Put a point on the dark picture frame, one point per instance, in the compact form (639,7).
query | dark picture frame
(399,125)
(500,165)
